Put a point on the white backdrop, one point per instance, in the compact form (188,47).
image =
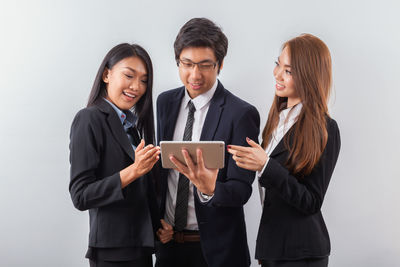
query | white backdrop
(50,52)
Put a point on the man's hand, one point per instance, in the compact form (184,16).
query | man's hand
(204,179)
(165,233)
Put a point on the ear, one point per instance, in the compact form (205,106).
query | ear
(221,65)
(106,72)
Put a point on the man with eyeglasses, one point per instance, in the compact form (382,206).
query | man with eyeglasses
(203,208)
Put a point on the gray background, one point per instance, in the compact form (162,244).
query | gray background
(50,52)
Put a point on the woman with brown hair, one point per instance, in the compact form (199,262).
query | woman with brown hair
(295,162)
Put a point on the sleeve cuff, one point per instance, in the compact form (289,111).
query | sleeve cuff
(260,173)
(203,197)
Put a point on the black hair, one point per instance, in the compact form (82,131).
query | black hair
(202,32)
(144,107)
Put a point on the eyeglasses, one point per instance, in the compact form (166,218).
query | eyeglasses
(203,66)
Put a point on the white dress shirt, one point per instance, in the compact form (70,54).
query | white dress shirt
(201,103)
(287,118)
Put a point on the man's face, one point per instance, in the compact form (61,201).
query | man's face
(198,69)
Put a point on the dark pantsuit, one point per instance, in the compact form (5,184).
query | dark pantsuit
(143,262)
(175,254)
(315,262)
(221,220)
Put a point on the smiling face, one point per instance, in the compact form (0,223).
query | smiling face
(195,80)
(284,80)
(126,82)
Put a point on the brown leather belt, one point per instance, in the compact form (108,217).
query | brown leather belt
(183,237)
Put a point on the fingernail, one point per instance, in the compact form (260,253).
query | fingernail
(229,147)
(248,139)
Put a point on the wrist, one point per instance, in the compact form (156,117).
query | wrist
(206,197)
(265,159)
(209,191)
(134,174)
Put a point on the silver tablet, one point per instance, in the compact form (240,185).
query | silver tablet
(213,152)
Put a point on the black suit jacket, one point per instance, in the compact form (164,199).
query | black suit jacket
(291,225)
(99,150)
(221,220)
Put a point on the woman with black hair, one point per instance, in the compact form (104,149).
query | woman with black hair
(111,165)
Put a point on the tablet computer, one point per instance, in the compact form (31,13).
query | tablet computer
(213,152)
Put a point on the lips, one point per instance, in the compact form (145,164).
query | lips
(129,94)
(196,86)
(279,86)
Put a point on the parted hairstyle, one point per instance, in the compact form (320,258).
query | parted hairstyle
(143,109)
(311,70)
(202,32)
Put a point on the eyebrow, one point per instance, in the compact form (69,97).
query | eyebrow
(203,61)
(129,68)
(286,65)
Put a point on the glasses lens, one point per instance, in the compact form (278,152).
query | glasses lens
(186,64)
(206,66)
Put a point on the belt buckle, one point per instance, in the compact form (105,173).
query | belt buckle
(179,237)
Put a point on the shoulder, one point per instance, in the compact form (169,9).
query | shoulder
(332,126)
(237,105)
(334,141)
(173,93)
(89,116)
(88,113)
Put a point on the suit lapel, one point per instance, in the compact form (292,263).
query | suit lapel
(168,121)
(279,148)
(116,128)
(281,145)
(171,115)
(214,114)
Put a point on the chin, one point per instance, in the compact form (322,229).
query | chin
(280,94)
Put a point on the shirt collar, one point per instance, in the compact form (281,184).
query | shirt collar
(127,118)
(201,100)
(292,112)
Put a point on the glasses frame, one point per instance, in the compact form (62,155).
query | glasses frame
(199,66)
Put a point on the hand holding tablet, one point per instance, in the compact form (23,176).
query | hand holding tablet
(213,153)
(198,161)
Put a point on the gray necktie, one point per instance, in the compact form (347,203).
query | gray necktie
(183,183)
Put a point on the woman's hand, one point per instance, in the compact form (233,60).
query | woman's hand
(145,158)
(165,233)
(204,179)
(251,158)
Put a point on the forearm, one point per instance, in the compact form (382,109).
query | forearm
(304,197)
(128,175)
(87,192)
(232,193)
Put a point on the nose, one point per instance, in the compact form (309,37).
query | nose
(135,84)
(195,72)
(278,73)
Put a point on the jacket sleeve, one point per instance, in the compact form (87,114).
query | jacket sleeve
(87,189)
(152,197)
(305,194)
(235,189)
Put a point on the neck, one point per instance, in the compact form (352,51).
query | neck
(292,102)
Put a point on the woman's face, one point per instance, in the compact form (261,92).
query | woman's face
(284,81)
(126,82)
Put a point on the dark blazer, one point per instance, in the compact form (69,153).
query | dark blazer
(291,225)
(221,221)
(99,150)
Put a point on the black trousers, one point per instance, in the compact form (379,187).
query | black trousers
(173,254)
(142,262)
(313,262)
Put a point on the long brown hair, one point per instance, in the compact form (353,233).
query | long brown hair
(311,69)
